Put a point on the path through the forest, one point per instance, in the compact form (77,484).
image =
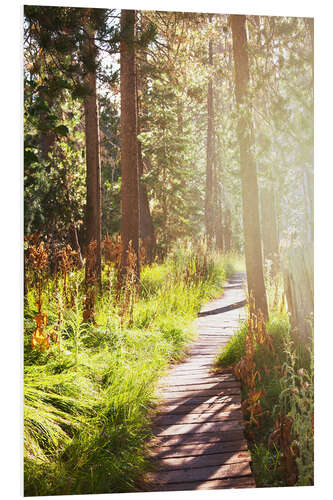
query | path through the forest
(199,441)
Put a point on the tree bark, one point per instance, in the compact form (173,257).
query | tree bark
(130,211)
(227,229)
(219,222)
(209,222)
(47,139)
(146,227)
(252,236)
(269,227)
(146,232)
(93,179)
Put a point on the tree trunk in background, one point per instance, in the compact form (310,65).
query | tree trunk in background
(215,195)
(299,287)
(308,175)
(218,196)
(47,139)
(269,227)
(180,111)
(219,223)
(309,21)
(74,243)
(146,227)
(93,206)
(252,236)
(209,221)
(308,202)
(130,218)
(146,232)
(227,229)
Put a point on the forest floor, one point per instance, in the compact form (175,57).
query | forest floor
(199,441)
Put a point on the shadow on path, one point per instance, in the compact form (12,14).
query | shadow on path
(219,310)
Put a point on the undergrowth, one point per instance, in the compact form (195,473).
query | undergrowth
(89,387)
(276,371)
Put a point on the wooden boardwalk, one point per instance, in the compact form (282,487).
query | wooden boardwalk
(199,441)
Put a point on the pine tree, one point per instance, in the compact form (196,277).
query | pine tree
(129,143)
(252,234)
(93,178)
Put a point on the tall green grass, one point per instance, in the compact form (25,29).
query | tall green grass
(88,403)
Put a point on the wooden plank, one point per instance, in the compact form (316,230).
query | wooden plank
(196,418)
(217,484)
(186,364)
(202,473)
(207,348)
(197,361)
(197,400)
(191,371)
(202,394)
(210,371)
(203,460)
(197,365)
(194,438)
(189,409)
(195,379)
(206,345)
(217,387)
(184,375)
(204,385)
(197,449)
(172,430)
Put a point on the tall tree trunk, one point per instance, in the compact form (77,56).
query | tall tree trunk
(209,212)
(308,175)
(217,198)
(269,227)
(227,229)
(47,138)
(308,202)
(146,227)
(130,211)
(146,232)
(93,179)
(219,220)
(252,237)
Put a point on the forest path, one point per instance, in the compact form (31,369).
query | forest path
(199,441)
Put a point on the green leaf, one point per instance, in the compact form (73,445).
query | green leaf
(62,130)
(29,157)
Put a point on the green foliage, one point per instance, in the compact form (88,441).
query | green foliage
(88,401)
(286,378)
(234,349)
(54,196)
(266,465)
(62,130)
(297,400)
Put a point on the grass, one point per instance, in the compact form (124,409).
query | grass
(234,349)
(89,400)
(285,375)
